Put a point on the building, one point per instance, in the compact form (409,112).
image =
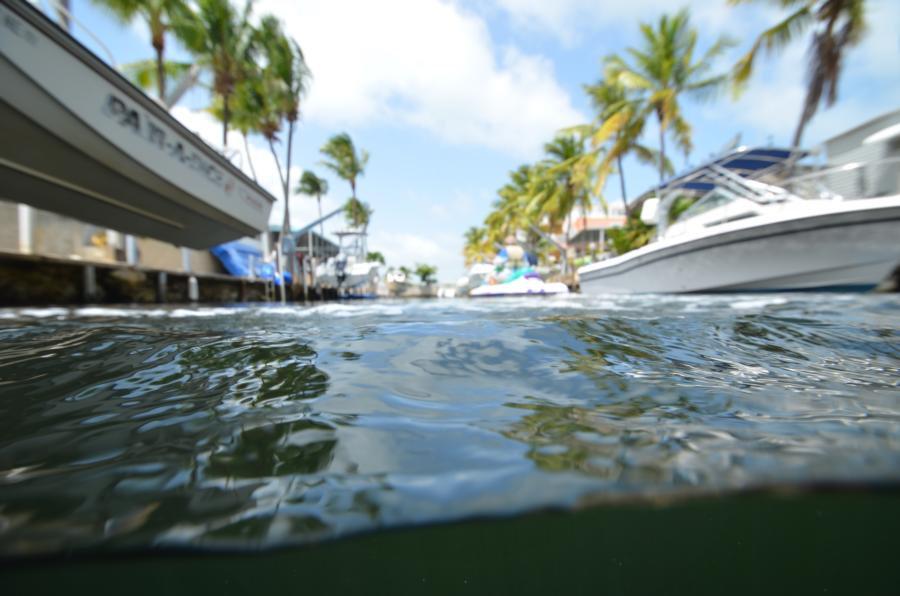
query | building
(868,156)
(587,235)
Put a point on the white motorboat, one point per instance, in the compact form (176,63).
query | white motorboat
(82,141)
(523,286)
(747,235)
(349,271)
(344,272)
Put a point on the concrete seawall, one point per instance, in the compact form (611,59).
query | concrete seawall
(29,280)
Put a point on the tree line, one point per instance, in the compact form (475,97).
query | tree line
(649,83)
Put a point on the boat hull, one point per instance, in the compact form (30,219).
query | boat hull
(90,145)
(854,249)
(520,287)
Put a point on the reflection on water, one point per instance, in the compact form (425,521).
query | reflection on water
(259,426)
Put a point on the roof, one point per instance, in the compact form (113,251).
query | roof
(888,118)
(747,162)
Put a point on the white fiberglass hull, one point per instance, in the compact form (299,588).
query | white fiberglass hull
(356,276)
(852,245)
(520,287)
(82,141)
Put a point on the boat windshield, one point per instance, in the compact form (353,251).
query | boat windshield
(713,199)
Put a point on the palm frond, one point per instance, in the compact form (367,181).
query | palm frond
(773,38)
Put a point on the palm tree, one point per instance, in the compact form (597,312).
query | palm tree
(313,186)
(248,112)
(375,256)
(664,69)
(219,36)
(358,213)
(618,128)
(511,213)
(838,25)
(344,160)
(289,76)
(160,17)
(560,183)
(426,273)
(477,245)
(145,73)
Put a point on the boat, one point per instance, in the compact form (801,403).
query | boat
(516,281)
(745,234)
(349,272)
(91,145)
(522,286)
(477,275)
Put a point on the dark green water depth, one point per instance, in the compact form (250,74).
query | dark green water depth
(251,427)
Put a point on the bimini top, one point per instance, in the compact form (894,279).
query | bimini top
(753,163)
(81,140)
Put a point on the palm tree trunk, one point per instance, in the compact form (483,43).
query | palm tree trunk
(805,117)
(277,161)
(321,223)
(249,159)
(622,182)
(287,196)
(287,167)
(160,72)
(662,151)
(226,116)
(353,187)
(286,222)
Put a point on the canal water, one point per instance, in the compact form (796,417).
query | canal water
(247,427)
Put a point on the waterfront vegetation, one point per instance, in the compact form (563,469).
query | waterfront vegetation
(648,82)
(426,273)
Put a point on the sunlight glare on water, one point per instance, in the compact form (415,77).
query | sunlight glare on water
(258,426)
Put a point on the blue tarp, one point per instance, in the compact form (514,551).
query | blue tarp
(236,256)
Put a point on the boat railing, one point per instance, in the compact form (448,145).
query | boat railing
(853,180)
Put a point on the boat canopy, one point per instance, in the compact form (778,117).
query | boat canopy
(752,163)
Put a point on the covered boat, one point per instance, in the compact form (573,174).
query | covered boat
(82,141)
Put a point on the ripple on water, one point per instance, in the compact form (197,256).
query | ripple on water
(262,425)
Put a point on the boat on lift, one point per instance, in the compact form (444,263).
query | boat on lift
(91,145)
(747,235)
(349,272)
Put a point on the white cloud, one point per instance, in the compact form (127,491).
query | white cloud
(428,64)
(410,249)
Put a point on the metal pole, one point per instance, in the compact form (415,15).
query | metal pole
(280,270)
(131,256)
(193,286)
(309,254)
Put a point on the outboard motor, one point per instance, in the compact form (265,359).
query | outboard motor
(340,269)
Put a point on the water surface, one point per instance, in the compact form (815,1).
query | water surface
(261,426)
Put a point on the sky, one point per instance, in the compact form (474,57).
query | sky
(449,96)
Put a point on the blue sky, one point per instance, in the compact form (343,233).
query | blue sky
(448,96)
